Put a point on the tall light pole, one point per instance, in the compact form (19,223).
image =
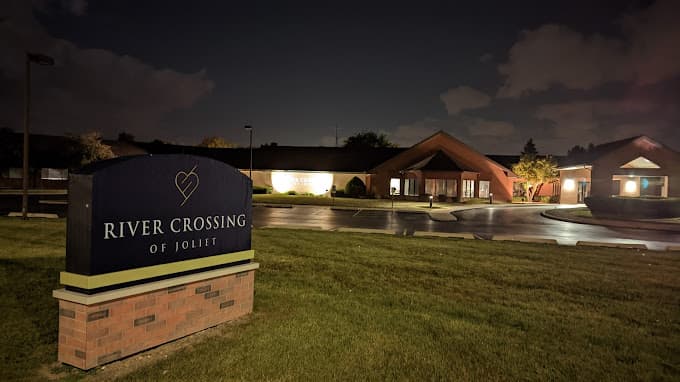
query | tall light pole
(39,59)
(250,130)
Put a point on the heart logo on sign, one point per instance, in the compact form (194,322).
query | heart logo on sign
(186,183)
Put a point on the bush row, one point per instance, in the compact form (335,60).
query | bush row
(633,208)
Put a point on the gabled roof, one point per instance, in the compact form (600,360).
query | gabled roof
(437,162)
(601,150)
(447,137)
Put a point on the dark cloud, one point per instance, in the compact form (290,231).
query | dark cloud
(483,127)
(87,89)
(486,58)
(603,120)
(557,55)
(464,98)
(482,134)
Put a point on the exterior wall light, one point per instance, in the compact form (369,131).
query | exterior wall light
(317,183)
(630,187)
(569,185)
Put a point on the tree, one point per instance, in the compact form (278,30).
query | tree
(93,149)
(576,151)
(530,148)
(126,137)
(368,140)
(534,170)
(216,143)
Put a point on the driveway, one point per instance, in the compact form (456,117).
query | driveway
(484,222)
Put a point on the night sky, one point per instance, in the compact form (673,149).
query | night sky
(492,74)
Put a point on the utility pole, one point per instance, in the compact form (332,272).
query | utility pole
(44,60)
(336,135)
(250,145)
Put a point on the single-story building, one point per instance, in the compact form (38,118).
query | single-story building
(632,167)
(439,166)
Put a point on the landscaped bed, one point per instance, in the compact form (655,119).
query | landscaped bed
(341,306)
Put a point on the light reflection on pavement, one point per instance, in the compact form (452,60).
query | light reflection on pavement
(484,222)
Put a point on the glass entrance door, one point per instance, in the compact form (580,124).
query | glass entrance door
(583,191)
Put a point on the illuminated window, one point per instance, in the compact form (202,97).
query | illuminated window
(484,186)
(442,187)
(468,188)
(54,174)
(410,187)
(395,186)
(653,186)
(630,187)
(13,173)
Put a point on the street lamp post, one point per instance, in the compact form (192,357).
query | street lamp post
(39,59)
(250,145)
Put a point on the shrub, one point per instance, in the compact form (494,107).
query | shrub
(291,192)
(355,187)
(262,190)
(633,208)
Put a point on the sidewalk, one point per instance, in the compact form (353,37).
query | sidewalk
(566,214)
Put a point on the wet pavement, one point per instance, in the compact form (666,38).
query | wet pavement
(484,222)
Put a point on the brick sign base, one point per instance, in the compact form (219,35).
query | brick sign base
(100,328)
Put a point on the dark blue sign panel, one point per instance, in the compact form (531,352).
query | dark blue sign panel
(133,212)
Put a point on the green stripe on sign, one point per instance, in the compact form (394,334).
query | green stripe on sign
(126,276)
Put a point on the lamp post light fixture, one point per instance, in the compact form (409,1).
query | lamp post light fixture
(431,197)
(43,60)
(250,146)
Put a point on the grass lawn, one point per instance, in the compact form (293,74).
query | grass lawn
(580,212)
(353,202)
(344,306)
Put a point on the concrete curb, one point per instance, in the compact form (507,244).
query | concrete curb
(673,248)
(291,226)
(370,230)
(635,224)
(455,235)
(357,209)
(524,239)
(33,215)
(273,205)
(611,245)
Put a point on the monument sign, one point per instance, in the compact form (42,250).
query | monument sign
(141,232)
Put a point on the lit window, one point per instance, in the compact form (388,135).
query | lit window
(54,174)
(484,186)
(440,187)
(395,186)
(15,173)
(630,186)
(468,188)
(410,187)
